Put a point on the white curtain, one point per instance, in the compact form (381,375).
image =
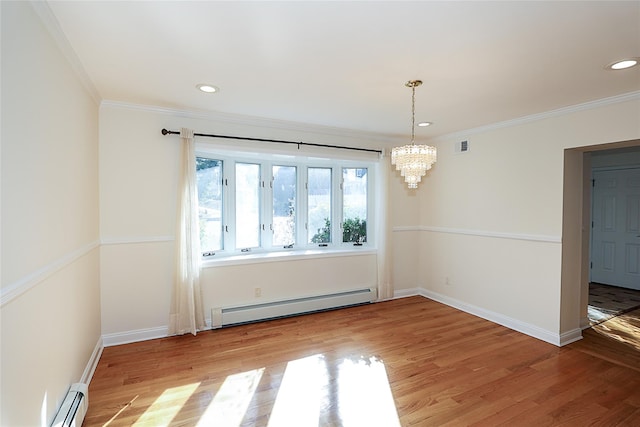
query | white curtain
(383,233)
(186,307)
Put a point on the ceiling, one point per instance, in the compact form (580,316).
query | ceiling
(344,64)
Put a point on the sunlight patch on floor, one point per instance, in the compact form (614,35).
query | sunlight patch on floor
(355,390)
(300,393)
(598,315)
(359,390)
(127,406)
(166,406)
(620,329)
(230,403)
(364,394)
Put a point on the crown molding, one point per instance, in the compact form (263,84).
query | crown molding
(50,22)
(387,140)
(625,97)
(253,121)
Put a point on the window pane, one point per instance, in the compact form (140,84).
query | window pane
(209,178)
(319,204)
(284,205)
(247,205)
(354,209)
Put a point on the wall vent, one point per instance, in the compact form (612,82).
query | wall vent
(462,146)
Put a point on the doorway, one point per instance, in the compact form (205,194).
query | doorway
(576,227)
(616,334)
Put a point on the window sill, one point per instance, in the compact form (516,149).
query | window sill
(284,256)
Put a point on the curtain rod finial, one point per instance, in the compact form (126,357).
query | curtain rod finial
(164,131)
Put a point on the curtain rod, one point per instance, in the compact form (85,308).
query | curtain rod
(172,132)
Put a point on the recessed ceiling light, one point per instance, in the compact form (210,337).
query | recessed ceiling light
(424,124)
(625,63)
(207,88)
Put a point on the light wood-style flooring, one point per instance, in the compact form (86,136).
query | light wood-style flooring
(406,362)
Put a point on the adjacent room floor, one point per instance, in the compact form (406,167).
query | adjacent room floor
(614,335)
(606,302)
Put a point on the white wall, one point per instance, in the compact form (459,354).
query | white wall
(138,194)
(491,219)
(231,285)
(484,229)
(50,312)
(404,213)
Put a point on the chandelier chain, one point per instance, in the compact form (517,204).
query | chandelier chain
(413,114)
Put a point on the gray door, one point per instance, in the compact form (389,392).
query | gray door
(615,233)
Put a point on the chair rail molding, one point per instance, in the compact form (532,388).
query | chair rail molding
(479,233)
(14,290)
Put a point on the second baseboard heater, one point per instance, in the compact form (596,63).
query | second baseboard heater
(226,316)
(73,408)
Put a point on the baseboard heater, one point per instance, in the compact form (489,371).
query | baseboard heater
(74,407)
(271,310)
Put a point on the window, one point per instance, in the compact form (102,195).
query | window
(284,180)
(209,181)
(260,203)
(247,205)
(354,205)
(319,205)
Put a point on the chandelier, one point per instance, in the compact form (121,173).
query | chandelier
(413,161)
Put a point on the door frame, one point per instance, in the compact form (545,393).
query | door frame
(576,237)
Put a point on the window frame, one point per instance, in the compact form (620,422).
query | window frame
(267,160)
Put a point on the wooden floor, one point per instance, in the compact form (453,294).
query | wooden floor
(616,340)
(406,362)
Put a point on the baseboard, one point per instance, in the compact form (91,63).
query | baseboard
(134,336)
(571,336)
(93,363)
(509,322)
(556,339)
(585,323)
(403,293)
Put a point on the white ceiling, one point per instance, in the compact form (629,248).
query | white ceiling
(344,64)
